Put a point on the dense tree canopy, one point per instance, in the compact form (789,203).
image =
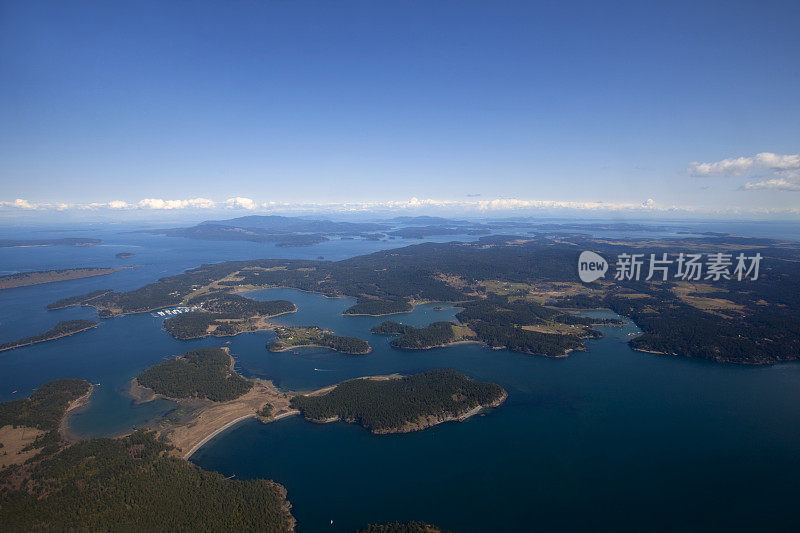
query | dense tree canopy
(201,373)
(390,404)
(45,406)
(132,484)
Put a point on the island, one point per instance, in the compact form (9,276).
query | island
(62,329)
(222,315)
(395,404)
(44,478)
(283,231)
(24,279)
(125,255)
(288,338)
(520,293)
(9,243)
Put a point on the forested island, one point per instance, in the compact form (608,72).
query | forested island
(125,255)
(202,373)
(24,279)
(512,288)
(401,404)
(62,329)
(314,336)
(221,314)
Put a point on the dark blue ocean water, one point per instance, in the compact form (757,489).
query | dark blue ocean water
(604,439)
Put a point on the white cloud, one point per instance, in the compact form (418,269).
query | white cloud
(787,180)
(158,203)
(19,203)
(743,165)
(240,202)
(772,172)
(774,184)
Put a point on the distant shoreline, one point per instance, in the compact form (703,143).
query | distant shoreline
(27,279)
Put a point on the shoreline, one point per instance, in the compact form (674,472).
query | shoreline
(82,303)
(287,348)
(215,433)
(424,422)
(449,344)
(63,426)
(48,339)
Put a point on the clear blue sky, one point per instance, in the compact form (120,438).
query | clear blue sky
(296,101)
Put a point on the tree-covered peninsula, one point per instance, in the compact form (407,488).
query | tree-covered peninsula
(45,406)
(202,373)
(401,404)
(30,427)
(81,299)
(62,329)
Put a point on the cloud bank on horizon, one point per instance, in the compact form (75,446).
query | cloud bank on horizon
(764,171)
(495,206)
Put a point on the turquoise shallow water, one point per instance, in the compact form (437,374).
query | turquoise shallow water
(604,439)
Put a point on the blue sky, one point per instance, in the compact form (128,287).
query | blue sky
(530,105)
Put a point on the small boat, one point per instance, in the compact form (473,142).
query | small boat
(14,392)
